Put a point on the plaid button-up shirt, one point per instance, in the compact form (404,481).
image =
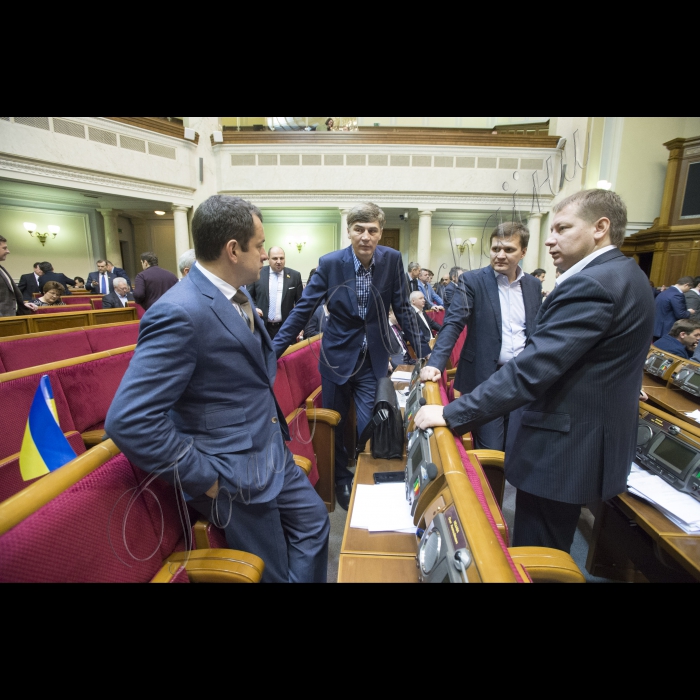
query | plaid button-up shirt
(363,279)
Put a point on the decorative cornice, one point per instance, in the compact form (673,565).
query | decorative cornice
(74,175)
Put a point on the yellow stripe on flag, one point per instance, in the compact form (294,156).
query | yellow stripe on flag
(32,465)
(54,410)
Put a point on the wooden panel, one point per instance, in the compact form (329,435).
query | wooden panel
(110,316)
(359,569)
(57,322)
(14,325)
(686,551)
(675,267)
(160,125)
(391,238)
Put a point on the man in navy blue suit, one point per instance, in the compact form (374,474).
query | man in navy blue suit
(671,306)
(359,285)
(197,402)
(682,341)
(499,304)
(578,379)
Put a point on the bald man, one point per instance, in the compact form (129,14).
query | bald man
(277,292)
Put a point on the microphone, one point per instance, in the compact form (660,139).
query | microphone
(432,472)
(423,402)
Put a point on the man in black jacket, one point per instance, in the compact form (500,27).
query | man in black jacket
(451,288)
(51,276)
(31,284)
(277,292)
(11,302)
(426,325)
(120,297)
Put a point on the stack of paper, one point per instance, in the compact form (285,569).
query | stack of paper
(382,509)
(401,377)
(680,508)
(695,415)
(402,398)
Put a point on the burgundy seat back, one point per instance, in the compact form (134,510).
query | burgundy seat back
(75,300)
(16,398)
(303,373)
(32,351)
(2,367)
(97,304)
(11,481)
(96,531)
(282,391)
(91,387)
(63,309)
(437,316)
(301,444)
(103,338)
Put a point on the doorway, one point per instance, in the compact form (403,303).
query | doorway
(391,238)
(646,260)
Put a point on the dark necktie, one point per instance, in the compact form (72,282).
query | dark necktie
(242,305)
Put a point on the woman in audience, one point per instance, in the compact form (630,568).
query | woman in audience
(330,124)
(52,295)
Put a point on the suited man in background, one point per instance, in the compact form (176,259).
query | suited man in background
(153,282)
(277,292)
(202,361)
(51,276)
(671,307)
(426,325)
(102,281)
(118,272)
(578,380)
(11,301)
(31,284)
(433,302)
(120,297)
(451,288)
(499,304)
(412,278)
(359,285)
(682,340)
(692,298)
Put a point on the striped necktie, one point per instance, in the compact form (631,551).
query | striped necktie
(242,304)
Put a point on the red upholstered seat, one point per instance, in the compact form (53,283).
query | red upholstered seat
(110,337)
(97,531)
(76,300)
(302,372)
(91,387)
(97,304)
(140,311)
(282,391)
(63,309)
(301,444)
(32,351)
(16,398)
(11,481)
(2,367)
(437,316)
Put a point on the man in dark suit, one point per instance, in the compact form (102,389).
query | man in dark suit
(578,379)
(499,304)
(102,281)
(426,325)
(118,272)
(671,307)
(412,278)
(682,341)
(317,323)
(51,276)
(30,284)
(153,282)
(451,288)
(11,301)
(197,404)
(120,297)
(402,356)
(277,292)
(359,283)
(692,298)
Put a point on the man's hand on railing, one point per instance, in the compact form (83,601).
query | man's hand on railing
(430,374)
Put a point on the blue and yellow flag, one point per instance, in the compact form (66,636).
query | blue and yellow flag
(44,448)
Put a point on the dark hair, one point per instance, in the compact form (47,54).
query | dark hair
(686,280)
(329,120)
(221,219)
(54,286)
(539,272)
(684,326)
(3,240)
(510,230)
(696,283)
(150,258)
(36,265)
(46,267)
(79,279)
(311,274)
(455,272)
(104,262)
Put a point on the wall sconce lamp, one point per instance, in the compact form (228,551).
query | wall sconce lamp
(43,237)
(461,245)
(299,244)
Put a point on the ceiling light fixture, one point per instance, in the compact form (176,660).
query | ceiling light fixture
(160,213)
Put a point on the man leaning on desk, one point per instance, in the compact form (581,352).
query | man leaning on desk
(578,378)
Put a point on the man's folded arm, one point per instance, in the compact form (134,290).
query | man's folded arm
(574,322)
(455,322)
(159,372)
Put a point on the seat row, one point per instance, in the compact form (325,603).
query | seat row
(60,319)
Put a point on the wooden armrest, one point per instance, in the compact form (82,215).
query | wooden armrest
(213,566)
(323,415)
(451,373)
(303,464)
(93,438)
(458,394)
(489,458)
(547,565)
(310,405)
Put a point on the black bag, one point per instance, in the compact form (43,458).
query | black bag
(386,427)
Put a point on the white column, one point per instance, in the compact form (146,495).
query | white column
(532,259)
(182,229)
(425,236)
(112,247)
(344,213)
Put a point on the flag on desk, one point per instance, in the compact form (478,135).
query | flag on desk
(44,448)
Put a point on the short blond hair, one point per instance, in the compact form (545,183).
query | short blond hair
(593,205)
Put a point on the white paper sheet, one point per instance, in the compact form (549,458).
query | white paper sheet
(382,509)
(402,377)
(695,415)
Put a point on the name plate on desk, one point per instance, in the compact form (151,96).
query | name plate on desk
(670,452)
(687,378)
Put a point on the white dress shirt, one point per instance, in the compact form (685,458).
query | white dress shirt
(514,320)
(224,287)
(581,266)
(276,294)
(124,300)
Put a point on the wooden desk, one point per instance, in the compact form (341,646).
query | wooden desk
(673,401)
(357,569)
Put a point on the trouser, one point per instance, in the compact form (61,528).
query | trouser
(273,329)
(540,522)
(290,533)
(362,388)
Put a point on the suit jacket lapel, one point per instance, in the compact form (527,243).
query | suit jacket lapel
(7,279)
(533,302)
(492,290)
(380,273)
(606,257)
(350,280)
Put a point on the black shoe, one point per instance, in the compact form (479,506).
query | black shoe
(343,494)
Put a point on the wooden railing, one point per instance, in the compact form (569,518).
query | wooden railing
(24,325)
(169,126)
